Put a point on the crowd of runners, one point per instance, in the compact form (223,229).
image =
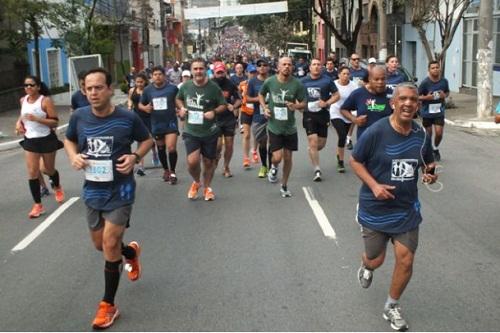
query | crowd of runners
(208,104)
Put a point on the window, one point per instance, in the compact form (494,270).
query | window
(53,66)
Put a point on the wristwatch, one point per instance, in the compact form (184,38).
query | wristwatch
(137,158)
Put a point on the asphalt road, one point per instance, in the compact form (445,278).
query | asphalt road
(253,261)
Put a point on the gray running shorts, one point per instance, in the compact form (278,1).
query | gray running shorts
(119,216)
(259,131)
(376,241)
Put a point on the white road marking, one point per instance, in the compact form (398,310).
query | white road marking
(44,225)
(323,222)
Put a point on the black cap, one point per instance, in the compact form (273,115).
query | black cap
(262,60)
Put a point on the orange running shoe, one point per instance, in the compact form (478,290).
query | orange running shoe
(193,191)
(255,156)
(246,163)
(135,266)
(209,194)
(36,211)
(105,315)
(59,194)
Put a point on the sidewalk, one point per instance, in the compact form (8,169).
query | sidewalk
(465,113)
(8,137)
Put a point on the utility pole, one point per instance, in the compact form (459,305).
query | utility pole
(484,60)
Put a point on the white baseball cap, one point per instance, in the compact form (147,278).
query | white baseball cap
(372,60)
(186,73)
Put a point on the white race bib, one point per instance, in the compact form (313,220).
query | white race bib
(160,103)
(280,113)
(195,117)
(435,108)
(249,105)
(99,171)
(313,106)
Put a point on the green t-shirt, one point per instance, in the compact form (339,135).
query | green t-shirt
(282,121)
(198,100)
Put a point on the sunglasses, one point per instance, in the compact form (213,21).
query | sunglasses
(31,85)
(354,59)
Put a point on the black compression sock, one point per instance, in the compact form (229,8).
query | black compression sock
(54,179)
(128,252)
(162,156)
(172,159)
(112,271)
(263,154)
(35,190)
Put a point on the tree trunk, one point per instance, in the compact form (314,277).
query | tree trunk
(427,47)
(36,39)
(484,60)
(382,33)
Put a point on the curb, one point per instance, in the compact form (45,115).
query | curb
(473,124)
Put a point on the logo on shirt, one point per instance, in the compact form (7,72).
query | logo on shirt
(371,105)
(280,98)
(195,102)
(100,146)
(314,93)
(403,169)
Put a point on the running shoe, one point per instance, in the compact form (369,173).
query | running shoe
(262,172)
(59,194)
(134,265)
(246,163)
(166,175)
(193,190)
(173,179)
(365,276)
(285,192)
(437,155)
(255,156)
(156,161)
(36,211)
(340,167)
(44,191)
(241,129)
(105,315)
(349,145)
(209,194)
(272,175)
(317,176)
(140,172)
(393,315)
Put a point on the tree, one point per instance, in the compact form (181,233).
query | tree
(347,30)
(275,34)
(447,14)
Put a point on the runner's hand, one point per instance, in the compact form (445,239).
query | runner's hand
(267,113)
(382,192)
(182,113)
(20,129)
(361,120)
(125,163)
(209,115)
(79,161)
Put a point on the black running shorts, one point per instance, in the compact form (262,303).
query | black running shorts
(207,145)
(277,142)
(316,123)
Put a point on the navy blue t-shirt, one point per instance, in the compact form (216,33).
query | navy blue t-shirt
(79,100)
(254,85)
(163,117)
(392,159)
(394,78)
(319,89)
(357,75)
(333,75)
(375,106)
(435,108)
(236,80)
(106,139)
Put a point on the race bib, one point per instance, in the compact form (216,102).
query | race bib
(249,106)
(195,117)
(435,108)
(99,171)
(313,106)
(160,103)
(301,72)
(280,113)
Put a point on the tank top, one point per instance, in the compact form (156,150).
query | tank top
(33,128)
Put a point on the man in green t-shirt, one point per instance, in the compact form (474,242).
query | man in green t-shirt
(198,101)
(285,95)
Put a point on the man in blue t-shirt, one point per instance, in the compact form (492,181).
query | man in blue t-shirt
(433,92)
(359,75)
(370,102)
(386,158)
(321,93)
(98,140)
(78,99)
(158,99)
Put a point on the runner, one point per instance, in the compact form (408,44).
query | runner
(134,96)
(259,122)
(174,74)
(78,98)
(186,76)
(370,102)
(246,118)
(341,124)
(321,93)
(98,140)
(228,119)
(433,92)
(301,68)
(199,100)
(393,75)
(386,158)
(372,62)
(330,69)
(359,76)
(286,95)
(37,122)
(158,99)
(239,75)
